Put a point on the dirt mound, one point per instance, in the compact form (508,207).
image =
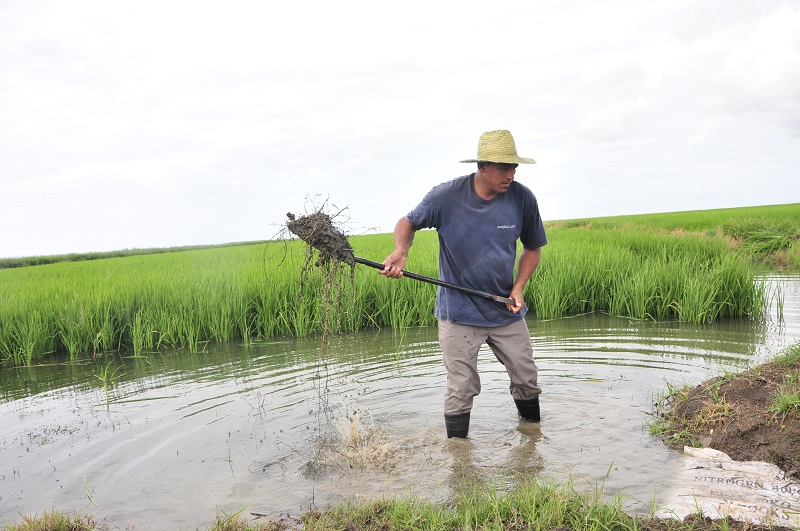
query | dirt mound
(736,415)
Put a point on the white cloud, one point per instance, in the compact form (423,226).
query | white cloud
(154,123)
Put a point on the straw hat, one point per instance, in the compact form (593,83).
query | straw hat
(498,146)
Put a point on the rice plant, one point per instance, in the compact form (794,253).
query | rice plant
(643,275)
(107,375)
(147,302)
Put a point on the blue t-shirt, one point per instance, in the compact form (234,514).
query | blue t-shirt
(478,246)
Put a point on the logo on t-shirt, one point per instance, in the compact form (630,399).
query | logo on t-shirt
(505,227)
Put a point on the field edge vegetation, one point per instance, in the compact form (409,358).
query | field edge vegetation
(532,505)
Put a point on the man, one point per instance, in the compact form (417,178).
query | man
(479,218)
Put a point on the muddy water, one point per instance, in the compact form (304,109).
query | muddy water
(278,429)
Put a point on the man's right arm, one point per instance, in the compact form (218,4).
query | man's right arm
(403,238)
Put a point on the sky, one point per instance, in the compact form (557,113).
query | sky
(167,123)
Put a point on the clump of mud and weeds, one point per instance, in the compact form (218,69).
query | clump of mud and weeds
(318,231)
(328,251)
(751,416)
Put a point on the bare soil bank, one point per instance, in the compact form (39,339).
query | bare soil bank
(732,414)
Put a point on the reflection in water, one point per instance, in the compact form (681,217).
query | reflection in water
(279,428)
(524,459)
(520,464)
(465,476)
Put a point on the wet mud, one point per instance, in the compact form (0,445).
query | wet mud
(317,231)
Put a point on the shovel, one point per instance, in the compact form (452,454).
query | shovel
(317,231)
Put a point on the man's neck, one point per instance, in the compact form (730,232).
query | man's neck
(483,191)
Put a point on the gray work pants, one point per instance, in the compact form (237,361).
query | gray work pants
(511,345)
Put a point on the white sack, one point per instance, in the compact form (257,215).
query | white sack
(713,484)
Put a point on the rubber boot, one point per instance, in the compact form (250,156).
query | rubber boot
(457,425)
(528,409)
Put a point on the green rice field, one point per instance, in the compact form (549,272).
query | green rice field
(691,266)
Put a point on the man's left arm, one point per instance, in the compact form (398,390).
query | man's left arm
(528,261)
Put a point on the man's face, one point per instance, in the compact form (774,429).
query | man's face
(498,176)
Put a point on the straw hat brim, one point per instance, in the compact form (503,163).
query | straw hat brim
(504,160)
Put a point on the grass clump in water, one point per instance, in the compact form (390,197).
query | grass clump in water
(59,521)
(677,430)
(55,521)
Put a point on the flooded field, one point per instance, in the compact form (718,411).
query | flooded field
(165,441)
